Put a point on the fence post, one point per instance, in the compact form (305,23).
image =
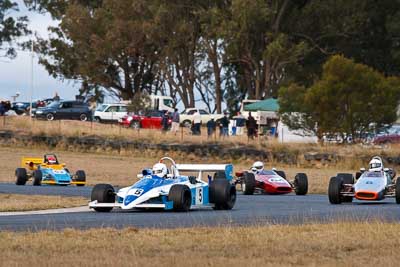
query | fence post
(181,133)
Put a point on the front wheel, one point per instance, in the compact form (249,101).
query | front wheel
(21,176)
(397,190)
(80,176)
(249,183)
(301,184)
(83,117)
(181,197)
(222,194)
(103,193)
(50,117)
(347,178)
(335,186)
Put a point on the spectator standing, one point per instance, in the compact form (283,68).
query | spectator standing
(196,123)
(225,125)
(56,97)
(251,125)
(164,121)
(240,123)
(211,127)
(2,109)
(175,121)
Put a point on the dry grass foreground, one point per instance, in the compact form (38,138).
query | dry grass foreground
(122,170)
(341,244)
(17,202)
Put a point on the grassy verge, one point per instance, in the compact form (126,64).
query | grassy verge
(16,202)
(341,244)
(121,170)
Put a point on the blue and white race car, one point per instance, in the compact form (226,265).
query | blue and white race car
(165,188)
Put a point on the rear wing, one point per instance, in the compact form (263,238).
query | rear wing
(31,163)
(221,170)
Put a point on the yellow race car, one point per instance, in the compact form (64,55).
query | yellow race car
(47,170)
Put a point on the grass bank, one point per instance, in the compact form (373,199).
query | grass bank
(17,202)
(340,244)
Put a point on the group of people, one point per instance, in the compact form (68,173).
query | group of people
(5,106)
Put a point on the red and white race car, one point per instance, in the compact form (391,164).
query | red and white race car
(271,182)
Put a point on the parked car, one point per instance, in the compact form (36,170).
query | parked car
(22,107)
(150,120)
(388,136)
(186,116)
(64,110)
(110,112)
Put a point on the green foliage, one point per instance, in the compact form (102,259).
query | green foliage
(10,27)
(348,98)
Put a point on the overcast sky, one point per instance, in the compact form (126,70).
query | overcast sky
(15,74)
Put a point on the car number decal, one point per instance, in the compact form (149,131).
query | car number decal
(136,191)
(199,193)
(59,171)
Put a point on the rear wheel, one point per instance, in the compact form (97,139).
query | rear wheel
(80,176)
(187,124)
(37,177)
(21,176)
(103,193)
(347,178)
(397,190)
(248,183)
(301,184)
(181,197)
(335,186)
(222,194)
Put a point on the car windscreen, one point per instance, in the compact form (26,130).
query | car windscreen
(54,104)
(101,108)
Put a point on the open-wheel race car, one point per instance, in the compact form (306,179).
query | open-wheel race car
(47,170)
(165,188)
(258,180)
(373,184)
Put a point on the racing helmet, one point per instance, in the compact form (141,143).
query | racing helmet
(51,160)
(257,167)
(375,164)
(160,170)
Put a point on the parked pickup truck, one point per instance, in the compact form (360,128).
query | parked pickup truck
(186,117)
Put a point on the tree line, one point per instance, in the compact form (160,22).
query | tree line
(219,51)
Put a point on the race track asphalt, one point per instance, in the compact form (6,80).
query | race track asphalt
(249,210)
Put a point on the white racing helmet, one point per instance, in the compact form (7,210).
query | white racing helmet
(160,170)
(375,165)
(257,167)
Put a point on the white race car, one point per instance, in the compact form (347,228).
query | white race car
(172,191)
(375,184)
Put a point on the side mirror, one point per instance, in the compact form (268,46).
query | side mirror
(170,175)
(139,176)
(274,169)
(362,169)
(386,169)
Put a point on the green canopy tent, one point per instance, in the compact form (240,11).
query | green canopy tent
(269,104)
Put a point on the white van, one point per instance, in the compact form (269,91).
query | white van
(110,112)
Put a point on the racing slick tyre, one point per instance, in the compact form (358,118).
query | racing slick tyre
(222,194)
(37,177)
(301,184)
(135,125)
(83,117)
(347,178)
(335,186)
(22,177)
(103,193)
(281,174)
(397,190)
(80,176)
(181,197)
(248,183)
(50,117)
